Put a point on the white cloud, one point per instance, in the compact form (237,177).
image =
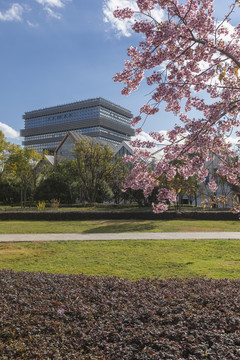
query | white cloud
(8,131)
(13,14)
(231,31)
(51,3)
(32,24)
(143,136)
(53,13)
(234,141)
(123,27)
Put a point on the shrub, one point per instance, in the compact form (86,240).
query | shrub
(55,203)
(53,187)
(41,205)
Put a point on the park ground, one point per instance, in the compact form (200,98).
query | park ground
(126,259)
(124,299)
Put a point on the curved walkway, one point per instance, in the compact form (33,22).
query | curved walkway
(119,236)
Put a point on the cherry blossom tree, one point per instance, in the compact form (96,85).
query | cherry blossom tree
(191,61)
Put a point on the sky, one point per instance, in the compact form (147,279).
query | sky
(60,51)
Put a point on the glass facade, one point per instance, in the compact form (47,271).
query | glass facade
(66,150)
(74,115)
(80,131)
(41,147)
(122,152)
(45,128)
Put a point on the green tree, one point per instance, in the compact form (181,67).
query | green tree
(19,166)
(9,190)
(5,148)
(95,164)
(57,184)
(119,173)
(53,187)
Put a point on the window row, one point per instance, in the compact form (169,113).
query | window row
(114,116)
(69,116)
(80,131)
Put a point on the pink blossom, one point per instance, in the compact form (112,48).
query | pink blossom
(126,13)
(135,120)
(157,136)
(212,185)
(170,55)
(145,5)
(138,131)
(148,109)
(159,208)
(236,210)
(62,310)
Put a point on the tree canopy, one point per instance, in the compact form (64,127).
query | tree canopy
(96,167)
(192,61)
(20,165)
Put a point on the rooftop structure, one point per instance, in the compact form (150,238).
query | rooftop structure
(45,128)
(65,150)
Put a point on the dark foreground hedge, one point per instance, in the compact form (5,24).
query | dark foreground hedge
(46,316)
(119,215)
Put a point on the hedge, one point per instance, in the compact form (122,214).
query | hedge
(115,215)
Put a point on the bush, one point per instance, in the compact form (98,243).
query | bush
(41,205)
(46,316)
(111,215)
(54,187)
(55,203)
(9,192)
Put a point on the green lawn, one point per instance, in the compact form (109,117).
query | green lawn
(115,226)
(102,207)
(84,208)
(127,259)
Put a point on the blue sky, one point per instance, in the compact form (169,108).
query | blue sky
(60,51)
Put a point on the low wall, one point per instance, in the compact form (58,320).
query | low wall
(115,215)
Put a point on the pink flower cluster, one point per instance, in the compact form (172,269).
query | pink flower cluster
(212,185)
(193,66)
(145,5)
(149,110)
(126,13)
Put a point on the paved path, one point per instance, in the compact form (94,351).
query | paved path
(119,236)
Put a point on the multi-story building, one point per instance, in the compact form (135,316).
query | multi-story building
(45,128)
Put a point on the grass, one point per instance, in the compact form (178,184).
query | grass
(106,207)
(116,226)
(84,208)
(127,259)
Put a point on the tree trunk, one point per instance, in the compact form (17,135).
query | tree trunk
(25,197)
(21,198)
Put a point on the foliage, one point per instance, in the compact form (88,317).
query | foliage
(53,186)
(19,166)
(118,177)
(95,166)
(9,190)
(94,176)
(9,186)
(192,61)
(4,150)
(104,193)
(55,203)
(41,205)
(79,317)
(67,170)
